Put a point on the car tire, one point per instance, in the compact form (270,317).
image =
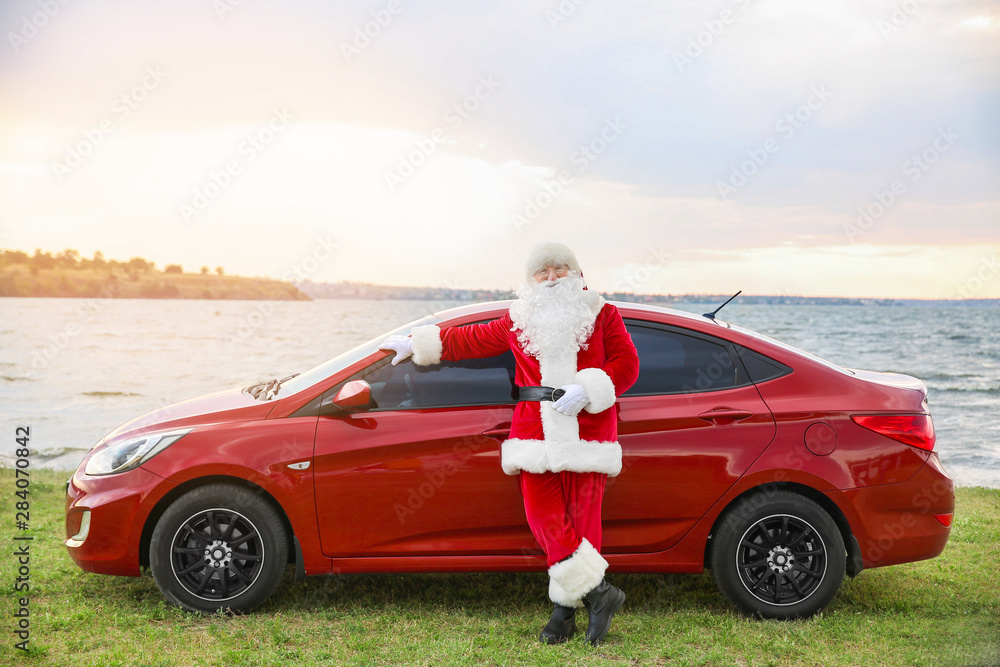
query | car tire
(219,547)
(778,555)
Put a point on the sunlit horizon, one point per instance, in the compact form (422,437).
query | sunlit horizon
(626,283)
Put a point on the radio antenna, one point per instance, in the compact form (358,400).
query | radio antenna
(711,315)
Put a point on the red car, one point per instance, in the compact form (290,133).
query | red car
(778,471)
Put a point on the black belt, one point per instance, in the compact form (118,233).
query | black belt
(539,394)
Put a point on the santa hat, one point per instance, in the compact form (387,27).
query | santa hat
(550,254)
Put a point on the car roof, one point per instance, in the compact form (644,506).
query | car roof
(752,339)
(488,309)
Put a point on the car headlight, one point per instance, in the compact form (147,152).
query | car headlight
(132,453)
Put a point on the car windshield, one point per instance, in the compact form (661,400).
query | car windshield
(328,368)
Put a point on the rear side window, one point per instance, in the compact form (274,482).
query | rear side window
(759,367)
(673,362)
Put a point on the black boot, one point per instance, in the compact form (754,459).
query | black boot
(561,626)
(601,602)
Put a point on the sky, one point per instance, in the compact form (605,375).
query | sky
(841,148)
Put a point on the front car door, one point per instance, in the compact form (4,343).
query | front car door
(419,472)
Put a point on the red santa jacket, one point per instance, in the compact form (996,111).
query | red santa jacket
(542,439)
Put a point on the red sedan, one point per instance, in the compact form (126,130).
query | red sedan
(778,471)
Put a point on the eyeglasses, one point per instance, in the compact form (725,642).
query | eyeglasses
(560,270)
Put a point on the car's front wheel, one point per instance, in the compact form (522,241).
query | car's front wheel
(778,555)
(218,547)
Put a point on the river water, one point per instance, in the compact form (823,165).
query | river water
(74,369)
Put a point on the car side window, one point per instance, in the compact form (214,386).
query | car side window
(488,381)
(672,362)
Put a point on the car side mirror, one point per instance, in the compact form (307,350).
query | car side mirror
(354,396)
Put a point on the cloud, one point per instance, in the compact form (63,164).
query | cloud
(809,112)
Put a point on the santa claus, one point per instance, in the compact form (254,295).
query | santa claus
(574,358)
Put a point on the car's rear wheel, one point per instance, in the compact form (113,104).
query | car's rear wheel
(778,555)
(218,547)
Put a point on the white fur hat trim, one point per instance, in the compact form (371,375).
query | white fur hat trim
(550,253)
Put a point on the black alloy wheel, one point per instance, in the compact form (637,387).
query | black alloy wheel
(778,555)
(219,547)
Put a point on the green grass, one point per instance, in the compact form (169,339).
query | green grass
(945,611)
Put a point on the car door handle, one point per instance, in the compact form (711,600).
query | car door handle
(502,433)
(723,416)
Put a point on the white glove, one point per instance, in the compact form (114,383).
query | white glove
(574,400)
(401,345)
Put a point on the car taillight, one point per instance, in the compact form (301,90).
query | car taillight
(916,430)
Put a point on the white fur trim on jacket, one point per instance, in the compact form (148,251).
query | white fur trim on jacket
(599,387)
(562,448)
(571,579)
(427,345)
(539,456)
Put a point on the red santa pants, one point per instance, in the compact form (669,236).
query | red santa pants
(562,508)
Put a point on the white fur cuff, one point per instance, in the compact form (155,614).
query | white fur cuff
(599,387)
(577,575)
(426,345)
(560,596)
(527,455)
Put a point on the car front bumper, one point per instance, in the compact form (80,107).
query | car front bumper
(105,516)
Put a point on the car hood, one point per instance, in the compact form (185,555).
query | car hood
(225,406)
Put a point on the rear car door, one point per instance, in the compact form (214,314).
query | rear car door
(689,428)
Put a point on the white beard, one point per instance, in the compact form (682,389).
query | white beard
(553,318)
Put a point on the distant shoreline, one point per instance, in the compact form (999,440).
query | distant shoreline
(140,284)
(145,282)
(68,275)
(84,284)
(351,290)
